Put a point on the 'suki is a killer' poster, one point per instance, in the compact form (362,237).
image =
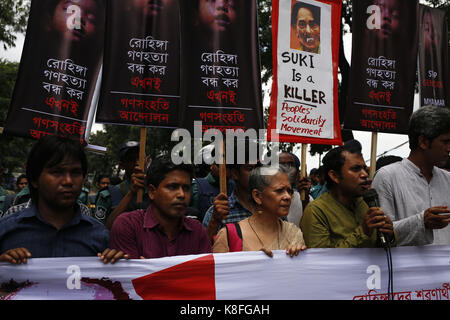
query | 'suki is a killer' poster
(304,104)
(140,83)
(383,69)
(220,77)
(58,70)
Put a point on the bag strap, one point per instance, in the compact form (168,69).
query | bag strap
(234,237)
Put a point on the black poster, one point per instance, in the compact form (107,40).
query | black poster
(383,67)
(140,83)
(221,81)
(434,69)
(58,70)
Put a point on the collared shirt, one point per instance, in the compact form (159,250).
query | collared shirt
(317,190)
(139,233)
(405,194)
(327,223)
(237,212)
(81,236)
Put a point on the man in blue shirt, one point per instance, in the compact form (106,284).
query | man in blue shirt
(52,224)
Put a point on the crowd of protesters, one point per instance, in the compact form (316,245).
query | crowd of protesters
(266,207)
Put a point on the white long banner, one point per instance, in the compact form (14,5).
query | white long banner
(419,273)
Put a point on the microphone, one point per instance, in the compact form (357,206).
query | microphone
(371,198)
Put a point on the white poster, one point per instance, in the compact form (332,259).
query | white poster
(305,84)
(419,273)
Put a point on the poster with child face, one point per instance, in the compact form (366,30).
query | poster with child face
(434,74)
(221,79)
(54,92)
(383,67)
(140,82)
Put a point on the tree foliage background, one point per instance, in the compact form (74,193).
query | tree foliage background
(13,150)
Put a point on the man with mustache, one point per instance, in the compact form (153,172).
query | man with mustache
(414,192)
(162,229)
(340,218)
(305,21)
(52,224)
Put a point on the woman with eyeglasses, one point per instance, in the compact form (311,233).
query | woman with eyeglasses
(270,192)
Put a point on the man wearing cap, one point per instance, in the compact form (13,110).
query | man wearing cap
(114,200)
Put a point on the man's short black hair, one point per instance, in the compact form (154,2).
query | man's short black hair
(429,122)
(334,160)
(161,166)
(387,160)
(100,176)
(50,151)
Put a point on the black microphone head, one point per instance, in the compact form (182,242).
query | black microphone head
(371,197)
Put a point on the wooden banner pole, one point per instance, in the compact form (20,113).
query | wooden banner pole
(142,143)
(223,169)
(303,172)
(373,155)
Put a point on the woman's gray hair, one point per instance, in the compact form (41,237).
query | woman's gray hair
(429,122)
(261,177)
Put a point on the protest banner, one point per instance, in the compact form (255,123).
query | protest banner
(383,68)
(315,274)
(220,70)
(220,77)
(304,104)
(140,83)
(54,91)
(434,67)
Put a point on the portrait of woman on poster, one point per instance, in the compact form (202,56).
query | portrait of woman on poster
(305,27)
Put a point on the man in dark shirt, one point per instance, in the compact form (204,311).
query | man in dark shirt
(53,224)
(162,229)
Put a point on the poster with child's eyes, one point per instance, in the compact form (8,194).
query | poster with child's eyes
(59,70)
(220,68)
(141,70)
(383,65)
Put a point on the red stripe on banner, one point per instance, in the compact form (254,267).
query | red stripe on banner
(191,280)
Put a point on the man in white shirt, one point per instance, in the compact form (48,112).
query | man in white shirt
(414,192)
